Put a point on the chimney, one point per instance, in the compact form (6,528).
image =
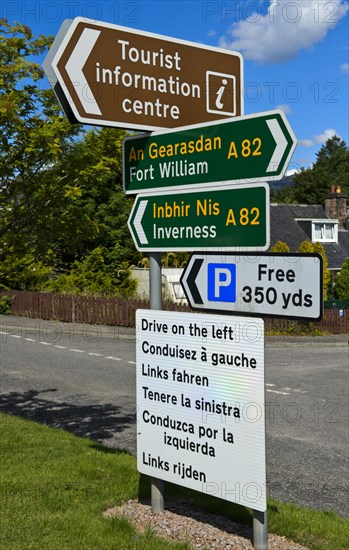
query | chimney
(336,205)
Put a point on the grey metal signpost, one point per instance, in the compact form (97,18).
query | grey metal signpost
(157,485)
(260,530)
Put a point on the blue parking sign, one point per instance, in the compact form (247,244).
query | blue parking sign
(221,282)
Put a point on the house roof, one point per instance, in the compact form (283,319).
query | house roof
(291,223)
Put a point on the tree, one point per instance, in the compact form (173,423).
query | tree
(33,136)
(342,282)
(94,163)
(61,198)
(306,247)
(22,271)
(280,246)
(93,276)
(311,185)
(332,165)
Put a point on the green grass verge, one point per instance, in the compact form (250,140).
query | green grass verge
(55,486)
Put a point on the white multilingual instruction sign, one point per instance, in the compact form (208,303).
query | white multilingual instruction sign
(201,405)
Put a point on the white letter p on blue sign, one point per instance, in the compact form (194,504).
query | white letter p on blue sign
(221,282)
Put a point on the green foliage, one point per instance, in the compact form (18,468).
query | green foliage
(280,246)
(33,136)
(22,271)
(95,164)
(311,185)
(144,262)
(60,186)
(342,282)
(5,304)
(126,284)
(332,165)
(331,286)
(93,276)
(292,328)
(306,247)
(282,195)
(174,259)
(319,249)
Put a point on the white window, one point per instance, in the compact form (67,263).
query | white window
(324,231)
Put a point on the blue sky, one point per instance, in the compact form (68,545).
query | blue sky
(296,53)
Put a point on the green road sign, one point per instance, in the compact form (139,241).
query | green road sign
(245,149)
(235,218)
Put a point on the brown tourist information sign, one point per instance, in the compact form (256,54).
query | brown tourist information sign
(108,75)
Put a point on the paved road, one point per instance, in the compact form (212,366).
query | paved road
(307,424)
(82,378)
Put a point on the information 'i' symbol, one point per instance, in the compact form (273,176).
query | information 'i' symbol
(220,93)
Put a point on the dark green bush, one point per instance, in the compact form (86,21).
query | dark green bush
(5,304)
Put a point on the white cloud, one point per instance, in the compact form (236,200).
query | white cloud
(287,28)
(292,171)
(344,68)
(284,108)
(212,33)
(320,139)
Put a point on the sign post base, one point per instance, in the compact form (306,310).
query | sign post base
(157,485)
(260,530)
(157,495)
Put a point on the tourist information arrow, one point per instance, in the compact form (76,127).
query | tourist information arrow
(244,149)
(234,218)
(109,75)
(278,285)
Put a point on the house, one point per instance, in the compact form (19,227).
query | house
(328,224)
